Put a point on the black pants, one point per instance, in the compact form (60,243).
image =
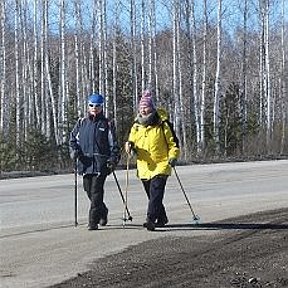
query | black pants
(94,187)
(155,189)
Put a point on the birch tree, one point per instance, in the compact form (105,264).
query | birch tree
(134,74)
(77,57)
(265,93)
(17,74)
(25,70)
(114,61)
(62,87)
(100,37)
(203,83)
(196,100)
(3,103)
(217,78)
(143,50)
(154,47)
(243,90)
(283,83)
(35,74)
(175,73)
(105,59)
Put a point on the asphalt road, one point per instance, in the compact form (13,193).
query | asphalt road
(40,245)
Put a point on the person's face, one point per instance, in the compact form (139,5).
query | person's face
(94,109)
(144,111)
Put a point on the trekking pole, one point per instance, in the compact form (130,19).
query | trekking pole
(122,197)
(195,217)
(75,193)
(126,190)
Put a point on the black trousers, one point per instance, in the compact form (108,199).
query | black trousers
(155,189)
(94,187)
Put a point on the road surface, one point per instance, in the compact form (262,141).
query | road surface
(40,245)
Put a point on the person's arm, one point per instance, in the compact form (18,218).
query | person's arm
(130,144)
(74,147)
(113,144)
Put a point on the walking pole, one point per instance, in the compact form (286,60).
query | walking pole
(122,197)
(126,191)
(75,193)
(196,218)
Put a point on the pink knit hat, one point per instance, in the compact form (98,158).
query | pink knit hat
(146,100)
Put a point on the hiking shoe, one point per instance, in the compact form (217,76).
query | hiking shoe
(161,222)
(149,225)
(93,227)
(104,217)
(103,221)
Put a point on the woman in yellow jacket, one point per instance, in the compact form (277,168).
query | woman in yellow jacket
(156,148)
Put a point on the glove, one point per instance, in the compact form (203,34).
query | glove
(74,154)
(172,162)
(128,147)
(111,165)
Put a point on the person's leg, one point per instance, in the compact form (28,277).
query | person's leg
(162,217)
(98,209)
(87,180)
(155,205)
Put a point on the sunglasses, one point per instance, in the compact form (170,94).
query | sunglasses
(95,105)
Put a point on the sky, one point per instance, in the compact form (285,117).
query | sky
(232,12)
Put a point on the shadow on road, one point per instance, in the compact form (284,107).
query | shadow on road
(230,226)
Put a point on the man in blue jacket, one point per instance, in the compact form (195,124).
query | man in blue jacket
(93,142)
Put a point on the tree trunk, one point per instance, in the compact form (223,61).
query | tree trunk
(134,54)
(3,100)
(143,54)
(203,84)
(17,74)
(217,80)
(283,86)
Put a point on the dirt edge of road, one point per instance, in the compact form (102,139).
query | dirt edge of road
(247,251)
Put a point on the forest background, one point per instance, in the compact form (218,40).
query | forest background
(219,67)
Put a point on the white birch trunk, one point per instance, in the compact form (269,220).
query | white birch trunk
(203,84)
(100,47)
(3,100)
(36,73)
(48,91)
(25,71)
(92,45)
(105,61)
(267,74)
(43,76)
(283,83)
(17,74)
(143,70)
(150,48)
(243,91)
(154,47)
(62,68)
(195,78)
(114,62)
(134,54)
(78,101)
(175,74)
(261,73)
(217,79)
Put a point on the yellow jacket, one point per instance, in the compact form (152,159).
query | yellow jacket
(154,146)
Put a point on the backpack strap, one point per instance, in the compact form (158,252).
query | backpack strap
(170,125)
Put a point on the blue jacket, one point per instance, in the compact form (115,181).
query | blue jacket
(94,141)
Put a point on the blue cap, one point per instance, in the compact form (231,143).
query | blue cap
(95,99)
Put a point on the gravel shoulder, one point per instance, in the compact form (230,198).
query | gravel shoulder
(247,251)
